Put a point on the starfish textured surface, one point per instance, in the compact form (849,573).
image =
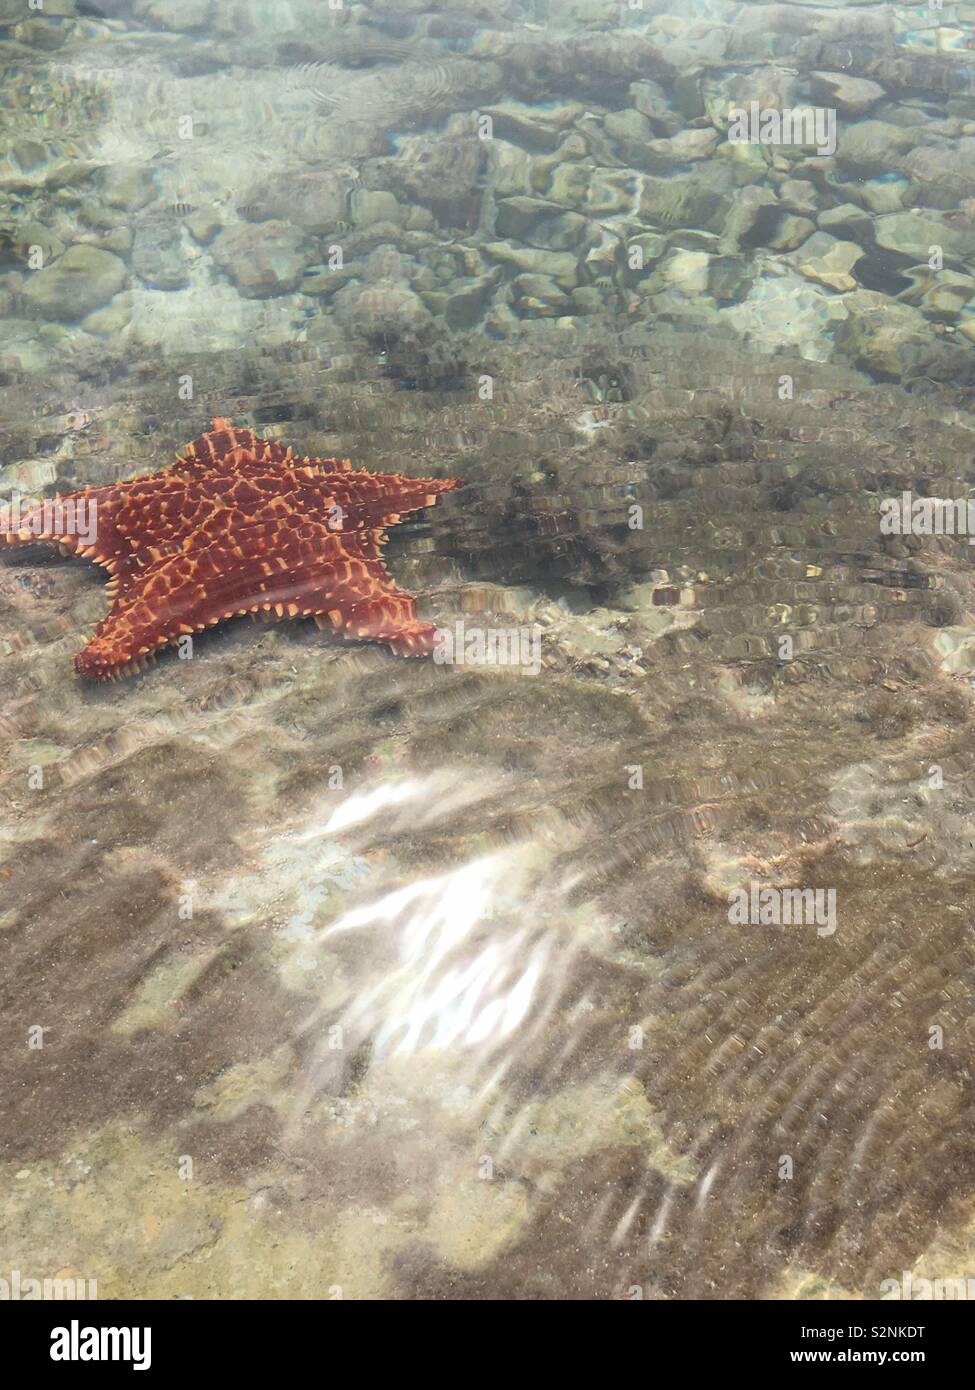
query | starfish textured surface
(240,525)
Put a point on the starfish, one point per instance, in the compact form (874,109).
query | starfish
(237,525)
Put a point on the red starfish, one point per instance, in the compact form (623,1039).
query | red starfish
(238,525)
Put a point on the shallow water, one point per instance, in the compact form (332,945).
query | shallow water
(330,973)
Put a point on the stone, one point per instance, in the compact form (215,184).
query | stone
(540,295)
(887,194)
(369,206)
(650,99)
(316,203)
(687,146)
(942,175)
(690,200)
(852,96)
(829,262)
(846,222)
(880,335)
(560,265)
(870,147)
(176,15)
(467,300)
(383,309)
(111,318)
(799,195)
(158,258)
(913,234)
(628,126)
(534,128)
(790,231)
(942,295)
(263,258)
(203,225)
(127,186)
(539,222)
(30,237)
(683,272)
(81,280)
(321,282)
(643,250)
(753,216)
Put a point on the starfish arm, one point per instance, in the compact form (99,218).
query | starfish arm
(299,571)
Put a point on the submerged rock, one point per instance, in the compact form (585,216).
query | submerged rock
(829,262)
(78,282)
(852,96)
(158,257)
(915,236)
(263,259)
(885,338)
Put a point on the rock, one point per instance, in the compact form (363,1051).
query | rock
(642,251)
(650,99)
(509,169)
(852,96)
(631,133)
(774,88)
(887,194)
(628,125)
(467,300)
(443,171)
(942,175)
(870,147)
(692,200)
(264,258)
(942,295)
(368,206)
(595,191)
(177,15)
(316,203)
(127,186)
(684,272)
(687,146)
(788,310)
(829,262)
(203,225)
(790,232)
(158,258)
(912,235)
(846,222)
(322,281)
(534,128)
(560,265)
(385,309)
(32,238)
(540,223)
(539,296)
(95,214)
(28,154)
(880,335)
(588,299)
(752,219)
(111,319)
(84,278)
(799,195)
(118,239)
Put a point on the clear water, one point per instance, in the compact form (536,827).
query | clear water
(333,973)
